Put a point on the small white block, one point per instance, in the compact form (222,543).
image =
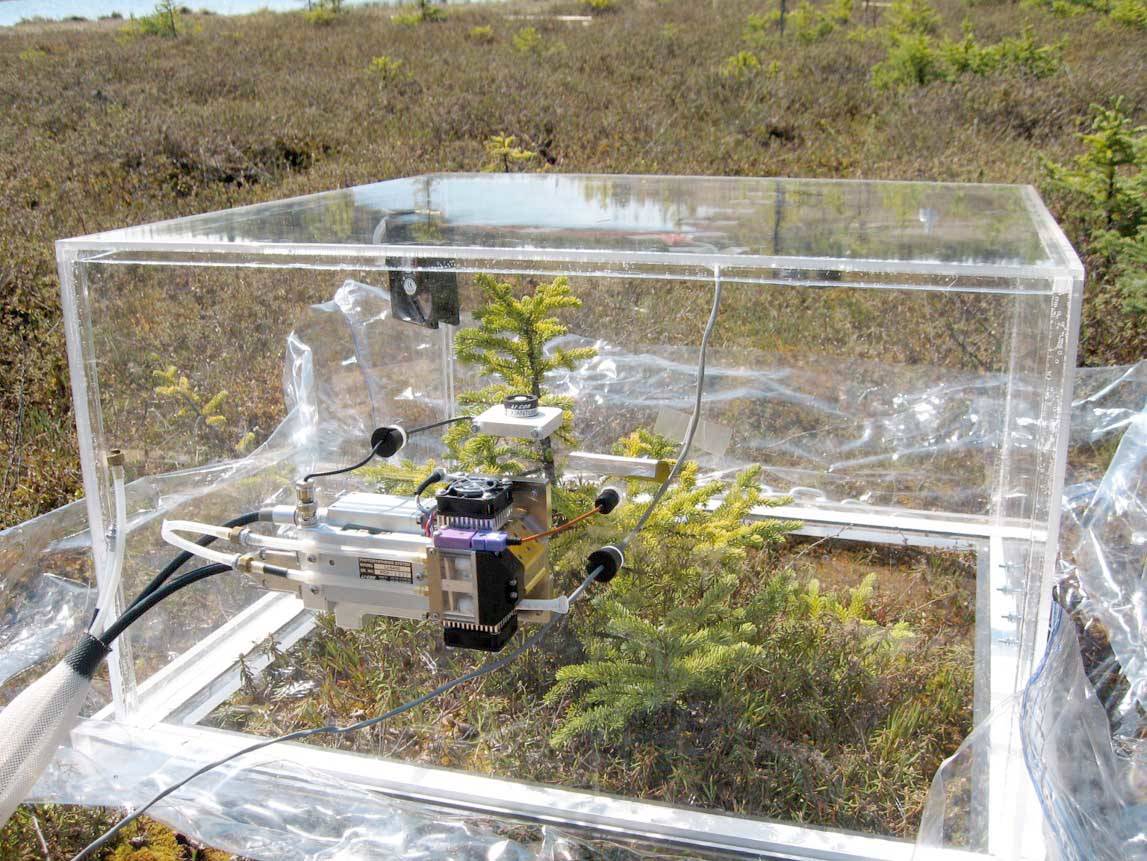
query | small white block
(497,422)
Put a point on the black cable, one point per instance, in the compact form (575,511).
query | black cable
(184,557)
(145,602)
(486,668)
(443,423)
(383,442)
(341,470)
(434,477)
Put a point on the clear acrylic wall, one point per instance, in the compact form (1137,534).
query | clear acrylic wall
(902,347)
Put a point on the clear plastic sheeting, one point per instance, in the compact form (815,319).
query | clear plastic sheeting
(265,808)
(1083,715)
(269,811)
(1081,718)
(45,600)
(876,435)
(865,436)
(47,615)
(1106,558)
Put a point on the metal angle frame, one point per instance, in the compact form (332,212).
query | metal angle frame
(173,701)
(601,815)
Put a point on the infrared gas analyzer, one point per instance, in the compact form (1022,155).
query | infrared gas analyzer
(472,557)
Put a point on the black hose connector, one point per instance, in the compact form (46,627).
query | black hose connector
(86,656)
(387,440)
(607,500)
(434,477)
(609,559)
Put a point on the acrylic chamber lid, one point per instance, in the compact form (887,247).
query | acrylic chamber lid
(966,230)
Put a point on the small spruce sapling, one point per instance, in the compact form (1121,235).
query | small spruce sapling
(1103,193)
(505,154)
(673,626)
(514,343)
(204,412)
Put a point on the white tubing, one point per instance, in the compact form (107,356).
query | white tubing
(277,542)
(115,557)
(33,725)
(172,527)
(561,604)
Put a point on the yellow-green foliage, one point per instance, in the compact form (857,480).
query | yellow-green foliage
(400,478)
(811,24)
(324,12)
(388,69)
(151,841)
(482,33)
(916,59)
(912,16)
(599,5)
(527,41)
(740,66)
(1104,196)
(203,412)
(757,29)
(1132,13)
(1129,13)
(32,55)
(422,13)
(164,21)
(505,154)
(646,443)
(513,342)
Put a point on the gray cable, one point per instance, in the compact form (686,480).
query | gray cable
(488,667)
(694,419)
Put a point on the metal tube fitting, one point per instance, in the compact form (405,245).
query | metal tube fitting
(306,509)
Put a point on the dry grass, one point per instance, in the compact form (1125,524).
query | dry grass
(102,131)
(810,742)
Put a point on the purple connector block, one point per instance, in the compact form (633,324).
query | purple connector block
(492,542)
(453,539)
(468,539)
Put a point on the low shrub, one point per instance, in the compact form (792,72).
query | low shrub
(324,12)
(422,13)
(1129,13)
(1102,196)
(527,41)
(165,21)
(484,33)
(387,69)
(1132,13)
(915,59)
(811,24)
(912,16)
(741,66)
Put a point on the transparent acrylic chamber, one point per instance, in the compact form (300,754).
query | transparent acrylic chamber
(896,357)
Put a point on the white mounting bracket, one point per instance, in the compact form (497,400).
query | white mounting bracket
(496,421)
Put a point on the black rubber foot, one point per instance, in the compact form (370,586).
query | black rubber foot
(607,500)
(388,440)
(609,559)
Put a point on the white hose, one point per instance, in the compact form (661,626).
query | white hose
(172,527)
(116,555)
(277,542)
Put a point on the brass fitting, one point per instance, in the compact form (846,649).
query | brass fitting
(306,509)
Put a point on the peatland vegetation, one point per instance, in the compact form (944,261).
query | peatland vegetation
(102,130)
(113,123)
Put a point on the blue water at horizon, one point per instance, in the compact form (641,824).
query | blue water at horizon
(14,11)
